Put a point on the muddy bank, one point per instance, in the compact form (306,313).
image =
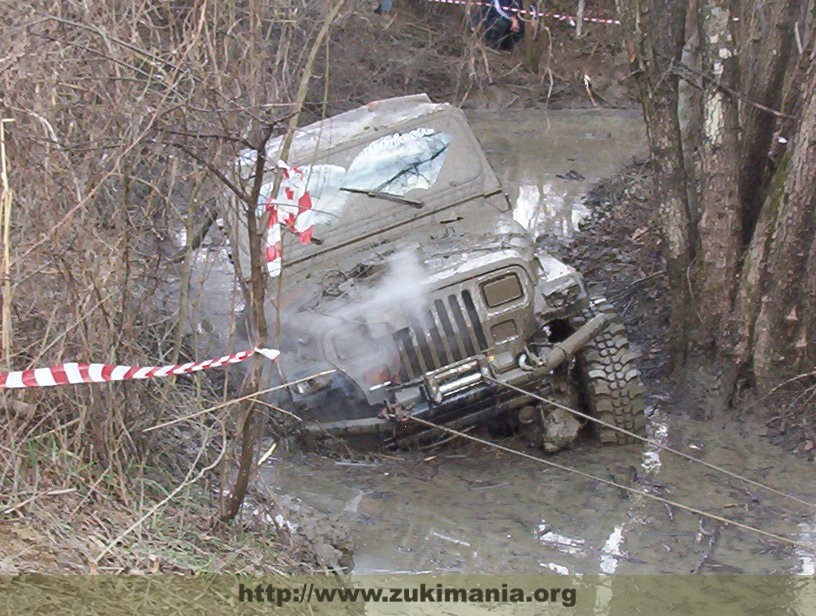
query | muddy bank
(425,46)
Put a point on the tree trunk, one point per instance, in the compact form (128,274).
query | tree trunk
(720,225)
(785,332)
(754,279)
(765,51)
(754,244)
(654,36)
(535,40)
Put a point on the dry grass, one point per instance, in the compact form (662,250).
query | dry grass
(124,111)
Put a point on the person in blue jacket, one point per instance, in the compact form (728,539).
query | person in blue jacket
(502,24)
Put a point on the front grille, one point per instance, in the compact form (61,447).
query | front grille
(449,331)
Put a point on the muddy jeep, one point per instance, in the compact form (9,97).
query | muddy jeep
(417,287)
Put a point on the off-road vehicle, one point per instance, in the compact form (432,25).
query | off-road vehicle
(414,282)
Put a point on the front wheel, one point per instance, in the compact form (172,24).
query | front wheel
(611,385)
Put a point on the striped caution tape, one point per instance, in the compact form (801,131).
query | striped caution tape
(534,13)
(292,207)
(73,373)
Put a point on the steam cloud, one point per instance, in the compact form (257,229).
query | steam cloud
(358,325)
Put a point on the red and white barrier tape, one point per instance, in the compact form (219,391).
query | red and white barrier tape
(291,207)
(534,13)
(73,373)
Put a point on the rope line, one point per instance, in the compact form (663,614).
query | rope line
(658,445)
(609,482)
(533,12)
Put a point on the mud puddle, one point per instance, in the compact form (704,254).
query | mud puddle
(546,160)
(474,510)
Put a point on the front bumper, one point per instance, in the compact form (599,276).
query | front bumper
(460,395)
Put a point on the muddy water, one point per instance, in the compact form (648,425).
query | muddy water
(547,160)
(475,510)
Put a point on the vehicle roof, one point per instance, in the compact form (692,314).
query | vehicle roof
(426,152)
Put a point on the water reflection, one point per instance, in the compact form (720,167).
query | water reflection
(554,208)
(547,166)
(807,534)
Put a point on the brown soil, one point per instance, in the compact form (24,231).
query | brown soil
(618,252)
(426,47)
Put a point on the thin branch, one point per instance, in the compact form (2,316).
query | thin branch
(109,37)
(236,400)
(712,80)
(236,190)
(221,137)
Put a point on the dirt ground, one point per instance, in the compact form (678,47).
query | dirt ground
(426,47)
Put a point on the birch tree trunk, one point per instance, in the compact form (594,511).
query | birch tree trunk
(720,224)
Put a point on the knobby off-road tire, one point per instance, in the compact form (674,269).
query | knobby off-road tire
(611,385)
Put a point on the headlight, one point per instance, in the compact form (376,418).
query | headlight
(502,290)
(563,292)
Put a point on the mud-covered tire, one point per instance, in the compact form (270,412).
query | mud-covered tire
(611,385)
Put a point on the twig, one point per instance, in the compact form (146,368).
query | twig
(236,190)
(5,221)
(712,535)
(798,37)
(109,37)
(793,379)
(579,18)
(14,508)
(187,482)
(168,91)
(723,88)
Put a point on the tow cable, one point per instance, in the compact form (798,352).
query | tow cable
(609,482)
(650,442)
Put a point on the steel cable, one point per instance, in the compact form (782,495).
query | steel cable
(609,482)
(658,445)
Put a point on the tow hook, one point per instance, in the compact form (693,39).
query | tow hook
(394,411)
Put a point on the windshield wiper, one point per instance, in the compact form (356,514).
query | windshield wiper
(378,194)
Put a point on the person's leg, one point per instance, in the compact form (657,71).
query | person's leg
(385,6)
(511,39)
